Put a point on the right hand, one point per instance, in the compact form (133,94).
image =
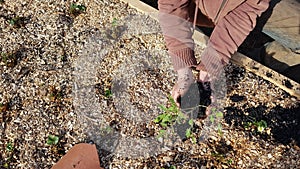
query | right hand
(185,79)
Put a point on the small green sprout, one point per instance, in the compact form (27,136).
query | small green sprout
(161,133)
(17,22)
(165,119)
(229,161)
(108,93)
(114,22)
(211,118)
(219,128)
(52,140)
(261,125)
(6,165)
(219,114)
(76,10)
(13,21)
(171,116)
(9,147)
(189,133)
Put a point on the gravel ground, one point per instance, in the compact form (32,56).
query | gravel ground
(99,72)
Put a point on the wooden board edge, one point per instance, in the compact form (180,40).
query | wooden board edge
(283,82)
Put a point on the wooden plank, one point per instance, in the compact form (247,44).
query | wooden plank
(284,23)
(288,85)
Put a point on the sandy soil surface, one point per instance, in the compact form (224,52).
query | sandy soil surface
(98,71)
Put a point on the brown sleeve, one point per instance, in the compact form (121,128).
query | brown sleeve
(173,18)
(232,29)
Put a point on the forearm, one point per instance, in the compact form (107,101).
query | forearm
(173,18)
(232,29)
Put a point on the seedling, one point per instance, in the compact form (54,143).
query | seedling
(189,133)
(76,10)
(229,161)
(114,22)
(10,59)
(108,93)
(52,140)
(9,147)
(17,22)
(171,117)
(216,115)
(259,125)
(6,165)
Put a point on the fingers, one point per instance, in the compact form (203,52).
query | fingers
(175,93)
(203,77)
(201,67)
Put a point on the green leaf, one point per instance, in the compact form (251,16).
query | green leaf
(6,165)
(261,125)
(161,133)
(164,124)
(114,22)
(260,129)
(191,122)
(188,132)
(219,127)
(9,147)
(163,108)
(219,114)
(212,118)
(213,109)
(12,21)
(52,140)
(159,118)
(173,103)
(229,161)
(108,93)
(194,141)
(81,7)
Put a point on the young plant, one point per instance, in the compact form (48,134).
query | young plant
(229,161)
(171,117)
(52,140)
(9,60)
(108,93)
(215,117)
(259,125)
(17,22)
(114,23)
(76,10)
(9,147)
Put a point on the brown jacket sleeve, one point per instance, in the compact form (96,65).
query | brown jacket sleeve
(173,17)
(233,28)
(233,22)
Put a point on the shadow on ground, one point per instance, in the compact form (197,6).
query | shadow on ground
(284,123)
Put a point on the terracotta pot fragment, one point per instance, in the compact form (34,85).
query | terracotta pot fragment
(81,156)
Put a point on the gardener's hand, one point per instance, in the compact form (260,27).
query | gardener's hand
(185,79)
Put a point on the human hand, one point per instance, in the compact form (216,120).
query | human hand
(185,79)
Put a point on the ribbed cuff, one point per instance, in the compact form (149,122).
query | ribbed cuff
(183,58)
